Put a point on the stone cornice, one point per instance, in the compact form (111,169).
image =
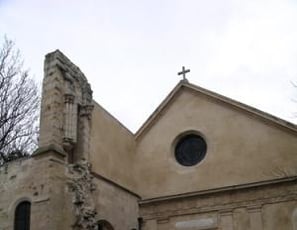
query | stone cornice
(219,190)
(59,152)
(253,198)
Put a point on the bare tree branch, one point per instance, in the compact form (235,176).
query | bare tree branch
(19,103)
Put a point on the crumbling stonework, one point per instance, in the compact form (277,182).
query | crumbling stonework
(66,108)
(80,183)
(40,181)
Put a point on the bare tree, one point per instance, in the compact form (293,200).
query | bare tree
(19,103)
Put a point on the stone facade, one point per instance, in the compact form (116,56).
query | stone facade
(260,206)
(90,172)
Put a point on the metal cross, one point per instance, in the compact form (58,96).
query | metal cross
(183,72)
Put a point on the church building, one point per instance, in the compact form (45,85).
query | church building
(201,161)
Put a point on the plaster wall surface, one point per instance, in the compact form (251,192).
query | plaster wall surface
(112,149)
(117,206)
(241,147)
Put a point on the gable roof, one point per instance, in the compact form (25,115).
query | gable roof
(184,84)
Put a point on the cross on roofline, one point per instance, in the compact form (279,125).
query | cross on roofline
(183,72)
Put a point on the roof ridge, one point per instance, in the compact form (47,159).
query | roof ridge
(257,112)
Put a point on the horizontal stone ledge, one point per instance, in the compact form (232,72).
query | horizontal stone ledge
(239,187)
(49,149)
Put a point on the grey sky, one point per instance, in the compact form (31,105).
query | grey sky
(131,50)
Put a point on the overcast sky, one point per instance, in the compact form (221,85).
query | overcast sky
(131,50)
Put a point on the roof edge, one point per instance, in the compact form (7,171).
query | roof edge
(244,107)
(113,117)
(156,112)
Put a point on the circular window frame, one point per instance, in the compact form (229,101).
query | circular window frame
(180,138)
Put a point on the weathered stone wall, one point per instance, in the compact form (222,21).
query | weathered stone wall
(263,207)
(75,125)
(66,108)
(39,181)
(63,196)
(85,138)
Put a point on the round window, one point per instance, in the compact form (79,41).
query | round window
(190,150)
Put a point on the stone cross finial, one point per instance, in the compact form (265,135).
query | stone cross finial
(183,72)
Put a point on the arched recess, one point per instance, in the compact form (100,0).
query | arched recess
(22,216)
(104,225)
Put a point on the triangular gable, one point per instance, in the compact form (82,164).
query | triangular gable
(266,117)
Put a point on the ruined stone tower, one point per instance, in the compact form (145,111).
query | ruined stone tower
(66,108)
